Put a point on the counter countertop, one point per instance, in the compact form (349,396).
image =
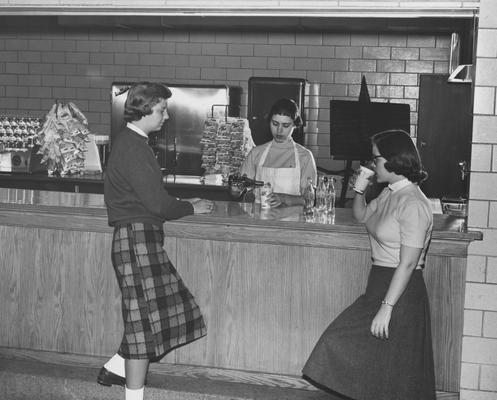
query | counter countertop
(225,213)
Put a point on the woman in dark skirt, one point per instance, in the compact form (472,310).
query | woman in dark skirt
(380,347)
(159,312)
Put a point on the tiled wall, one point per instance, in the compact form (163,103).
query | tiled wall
(80,65)
(479,359)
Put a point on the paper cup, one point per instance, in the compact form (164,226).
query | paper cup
(362,179)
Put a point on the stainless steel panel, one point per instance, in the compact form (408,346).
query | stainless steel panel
(177,145)
(262,93)
(188,109)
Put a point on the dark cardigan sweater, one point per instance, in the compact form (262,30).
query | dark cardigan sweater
(133,186)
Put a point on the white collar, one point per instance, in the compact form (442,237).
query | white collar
(399,184)
(285,145)
(133,127)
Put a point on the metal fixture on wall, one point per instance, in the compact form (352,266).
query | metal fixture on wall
(461,69)
(458,72)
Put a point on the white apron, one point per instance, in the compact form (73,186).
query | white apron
(282,180)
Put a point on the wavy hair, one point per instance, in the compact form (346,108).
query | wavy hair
(142,97)
(402,156)
(286,107)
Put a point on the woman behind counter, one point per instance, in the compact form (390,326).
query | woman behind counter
(380,347)
(286,165)
(159,312)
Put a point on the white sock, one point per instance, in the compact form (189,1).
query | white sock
(134,394)
(116,365)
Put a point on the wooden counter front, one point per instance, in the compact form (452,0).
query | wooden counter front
(267,283)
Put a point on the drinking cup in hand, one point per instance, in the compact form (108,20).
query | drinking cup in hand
(363,177)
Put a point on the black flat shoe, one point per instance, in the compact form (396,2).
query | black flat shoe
(107,378)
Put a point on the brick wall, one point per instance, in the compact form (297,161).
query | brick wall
(79,65)
(479,355)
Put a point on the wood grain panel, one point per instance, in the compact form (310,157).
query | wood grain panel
(268,289)
(445,281)
(70,300)
(9,291)
(279,299)
(266,305)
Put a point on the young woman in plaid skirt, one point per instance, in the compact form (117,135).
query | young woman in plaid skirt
(159,312)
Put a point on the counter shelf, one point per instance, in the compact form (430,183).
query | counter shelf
(180,185)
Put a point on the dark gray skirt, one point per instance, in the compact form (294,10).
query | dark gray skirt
(349,361)
(159,312)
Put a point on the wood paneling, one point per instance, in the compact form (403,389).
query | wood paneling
(60,291)
(9,291)
(265,305)
(267,289)
(445,281)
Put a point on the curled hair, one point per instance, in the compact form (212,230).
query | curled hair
(286,107)
(142,97)
(397,147)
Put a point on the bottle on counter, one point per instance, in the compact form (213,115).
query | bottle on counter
(309,196)
(321,194)
(330,195)
(266,190)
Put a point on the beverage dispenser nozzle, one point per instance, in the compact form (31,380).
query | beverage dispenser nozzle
(240,184)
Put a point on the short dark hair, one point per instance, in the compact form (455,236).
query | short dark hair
(397,147)
(142,97)
(286,107)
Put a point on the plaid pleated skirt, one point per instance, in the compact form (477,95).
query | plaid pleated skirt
(159,312)
(350,362)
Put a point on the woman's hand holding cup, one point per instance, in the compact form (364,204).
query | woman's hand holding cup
(362,179)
